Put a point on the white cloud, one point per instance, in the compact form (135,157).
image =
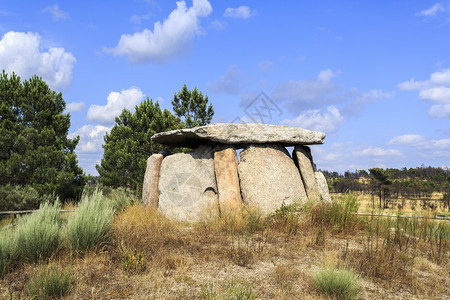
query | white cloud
(242,12)
(116,102)
(432,11)
(56,12)
(168,38)
(22,53)
(359,101)
(75,106)
(408,139)
(439,111)
(435,90)
(377,152)
(218,24)
(309,93)
(230,83)
(91,138)
(137,19)
(327,122)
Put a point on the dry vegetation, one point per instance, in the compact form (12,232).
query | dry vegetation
(150,257)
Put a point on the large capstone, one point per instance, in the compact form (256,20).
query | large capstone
(239,135)
(150,192)
(269,178)
(187,185)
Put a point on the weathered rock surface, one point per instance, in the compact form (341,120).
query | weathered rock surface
(269,178)
(302,158)
(323,186)
(187,185)
(227,178)
(239,135)
(150,192)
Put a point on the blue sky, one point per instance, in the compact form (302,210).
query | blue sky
(374,76)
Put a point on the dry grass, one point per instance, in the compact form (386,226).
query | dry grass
(278,256)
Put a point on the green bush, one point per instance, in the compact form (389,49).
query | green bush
(50,283)
(239,289)
(15,197)
(38,234)
(338,283)
(121,198)
(90,225)
(8,250)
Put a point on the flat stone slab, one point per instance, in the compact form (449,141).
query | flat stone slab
(239,135)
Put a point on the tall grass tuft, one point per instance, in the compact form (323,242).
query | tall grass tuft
(90,225)
(338,283)
(50,283)
(38,234)
(8,251)
(340,213)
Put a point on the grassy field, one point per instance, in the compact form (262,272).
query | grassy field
(290,255)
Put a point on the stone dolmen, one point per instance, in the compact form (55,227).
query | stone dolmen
(186,186)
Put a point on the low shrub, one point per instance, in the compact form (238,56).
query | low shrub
(121,198)
(338,283)
(50,282)
(38,234)
(90,225)
(239,289)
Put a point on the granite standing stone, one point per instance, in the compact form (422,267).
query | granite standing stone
(187,185)
(323,186)
(302,158)
(150,192)
(226,169)
(269,178)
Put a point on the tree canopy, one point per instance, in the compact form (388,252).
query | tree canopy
(192,107)
(128,145)
(34,148)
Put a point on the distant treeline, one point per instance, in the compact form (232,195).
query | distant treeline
(390,183)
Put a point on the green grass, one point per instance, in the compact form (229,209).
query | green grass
(338,283)
(90,225)
(38,234)
(50,283)
(8,251)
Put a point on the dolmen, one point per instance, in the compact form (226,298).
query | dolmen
(211,179)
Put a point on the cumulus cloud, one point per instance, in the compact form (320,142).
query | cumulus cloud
(230,83)
(116,102)
(439,147)
(435,90)
(91,138)
(21,53)
(242,12)
(168,38)
(311,93)
(56,12)
(75,106)
(432,11)
(377,152)
(440,111)
(317,120)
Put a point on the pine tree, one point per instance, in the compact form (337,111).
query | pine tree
(192,107)
(128,145)
(34,149)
